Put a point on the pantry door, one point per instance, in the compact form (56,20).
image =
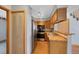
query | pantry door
(18,32)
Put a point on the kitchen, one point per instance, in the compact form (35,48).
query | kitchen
(46,33)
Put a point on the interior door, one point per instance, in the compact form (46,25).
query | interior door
(18,32)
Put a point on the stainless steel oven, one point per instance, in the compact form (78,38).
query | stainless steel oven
(40,31)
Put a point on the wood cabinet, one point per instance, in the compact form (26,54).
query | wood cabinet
(58,16)
(47,24)
(54,18)
(57,44)
(61,13)
(57,47)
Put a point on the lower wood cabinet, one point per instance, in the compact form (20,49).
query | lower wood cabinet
(57,47)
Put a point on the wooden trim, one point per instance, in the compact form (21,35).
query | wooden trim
(8,28)
(17,11)
(24,33)
(62,8)
(4,8)
(8,32)
(69,27)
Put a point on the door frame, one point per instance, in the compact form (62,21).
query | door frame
(21,11)
(7,28)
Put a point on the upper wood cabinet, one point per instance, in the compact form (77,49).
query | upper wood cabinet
(54,17)
(58,16)
(47,24)
(61,14)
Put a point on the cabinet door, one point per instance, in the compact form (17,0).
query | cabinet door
(54,17)
(62,14)
(58,47)
(47,24)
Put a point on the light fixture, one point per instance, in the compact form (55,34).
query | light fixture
(39,14)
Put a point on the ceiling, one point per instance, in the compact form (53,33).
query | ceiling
(42,11)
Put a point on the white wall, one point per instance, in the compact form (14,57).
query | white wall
(74,24)
(2,26)
(74,28)
(2,30)
(29,31)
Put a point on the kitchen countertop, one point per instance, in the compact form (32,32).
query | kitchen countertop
(54,36)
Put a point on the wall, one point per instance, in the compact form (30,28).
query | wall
(2,25)
(29,32)
(2,30)
(63,27)
(74,24)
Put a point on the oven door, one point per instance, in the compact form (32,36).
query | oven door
(40,35)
